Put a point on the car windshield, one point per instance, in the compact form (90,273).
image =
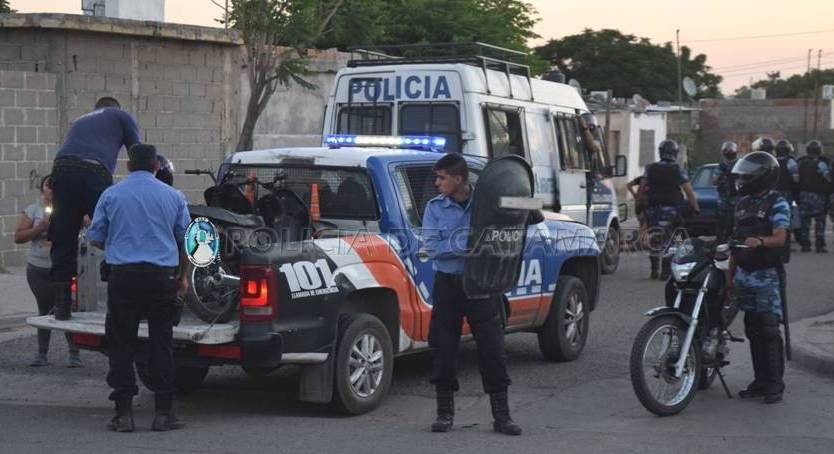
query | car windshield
(704,176)
(343,193)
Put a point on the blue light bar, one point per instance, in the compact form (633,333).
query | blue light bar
(413,142)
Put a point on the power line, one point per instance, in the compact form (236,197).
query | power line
(777,35)
(761,63)
(772,67)
(790,68)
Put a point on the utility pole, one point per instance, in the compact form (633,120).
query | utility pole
(817,92)
(680,89)
(805,115)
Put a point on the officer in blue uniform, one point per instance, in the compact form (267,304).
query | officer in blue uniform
(665,180)
(814,183)
(726,190)
(140,223)
(445,231)
(82,170)
(788,184)
(762,220)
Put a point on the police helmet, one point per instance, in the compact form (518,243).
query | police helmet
(762,144)
(668,149)
(783,148)
(814,148)
(165,173)
(756,172)
(729,149)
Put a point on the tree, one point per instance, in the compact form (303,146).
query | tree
(796,86)
(276,36)
(504,23)
(5,7)
(628,65)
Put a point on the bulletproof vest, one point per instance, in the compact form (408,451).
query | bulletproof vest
(785,183)
(726,180)
(752,219)
(664,184)
(809,179)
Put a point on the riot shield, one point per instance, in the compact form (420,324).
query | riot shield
(501,205)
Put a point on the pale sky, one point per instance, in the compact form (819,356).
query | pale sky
(737,60)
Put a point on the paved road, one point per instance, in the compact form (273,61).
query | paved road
(586,406)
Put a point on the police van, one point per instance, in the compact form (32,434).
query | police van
(489,107)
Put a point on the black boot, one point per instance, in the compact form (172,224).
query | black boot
(752,331)
(501,412)
(63,301)
(123,421)
(655,262)
(445,411)
(165,420)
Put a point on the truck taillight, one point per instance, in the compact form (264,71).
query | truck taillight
(258,293)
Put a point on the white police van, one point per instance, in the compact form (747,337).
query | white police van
(488,107)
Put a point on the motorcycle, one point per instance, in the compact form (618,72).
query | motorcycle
(685,344)
(241,221)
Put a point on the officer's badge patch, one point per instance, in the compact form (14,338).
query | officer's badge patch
(202,243)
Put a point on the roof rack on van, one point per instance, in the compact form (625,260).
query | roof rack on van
(482,55)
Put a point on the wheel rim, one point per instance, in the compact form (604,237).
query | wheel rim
(365,365)
(611,247)
(659,357)
(212,297)
(573,322)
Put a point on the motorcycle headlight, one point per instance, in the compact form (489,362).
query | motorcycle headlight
(681,270)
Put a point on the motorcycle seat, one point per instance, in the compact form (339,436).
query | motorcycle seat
(224,216)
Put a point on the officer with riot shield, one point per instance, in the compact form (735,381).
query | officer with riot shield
(814,185)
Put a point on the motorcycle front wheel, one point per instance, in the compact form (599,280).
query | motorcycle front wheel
(656,349)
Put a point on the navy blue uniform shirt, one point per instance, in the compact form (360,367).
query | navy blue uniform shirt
(140,220)
(100,135)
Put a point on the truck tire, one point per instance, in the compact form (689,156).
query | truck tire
(609,257)
(187,379)
(364,364)
(564,333)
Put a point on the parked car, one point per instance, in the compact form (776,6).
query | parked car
(707,194)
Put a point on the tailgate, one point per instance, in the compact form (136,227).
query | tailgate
(190,329)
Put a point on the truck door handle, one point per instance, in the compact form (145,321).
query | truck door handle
(582,185)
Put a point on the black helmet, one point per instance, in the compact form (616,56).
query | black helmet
(814,148)
(762,144)
(165,173)
(729,149)
(756,172)
(668,149)
(783,148)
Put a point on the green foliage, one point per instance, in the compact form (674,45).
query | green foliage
(5,7)
(503,23)
(608,59)
(796,86)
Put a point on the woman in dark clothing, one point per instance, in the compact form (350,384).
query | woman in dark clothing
(32,228)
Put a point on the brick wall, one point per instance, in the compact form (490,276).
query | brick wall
(28,140)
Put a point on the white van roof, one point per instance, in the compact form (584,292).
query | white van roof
(473,80)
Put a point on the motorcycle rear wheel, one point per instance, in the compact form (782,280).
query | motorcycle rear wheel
(652,367)
(211,303)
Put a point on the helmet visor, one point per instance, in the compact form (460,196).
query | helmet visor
(746,167)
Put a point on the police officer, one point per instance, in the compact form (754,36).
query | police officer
(82,170)
(140,223)
(665,180)
(814,181)
(726,190)
(165,173)
(762,220)
(788,183)
(445,228)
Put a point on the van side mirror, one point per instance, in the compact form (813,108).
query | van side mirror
(620,166)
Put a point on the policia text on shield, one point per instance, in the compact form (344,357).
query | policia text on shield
(140,223)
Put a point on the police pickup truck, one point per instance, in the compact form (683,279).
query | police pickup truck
(344,302)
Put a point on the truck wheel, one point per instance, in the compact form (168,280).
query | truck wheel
(364,364)
(609,258)
(186,380)
(564,333)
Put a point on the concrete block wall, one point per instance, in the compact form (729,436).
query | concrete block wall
(28,141)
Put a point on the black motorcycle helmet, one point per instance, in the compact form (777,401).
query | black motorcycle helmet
(756,173)
(783,148)
(729,150)
(763,144)
(814,148)
(668,150)
(165,173)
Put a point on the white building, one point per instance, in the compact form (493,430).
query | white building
(150,10)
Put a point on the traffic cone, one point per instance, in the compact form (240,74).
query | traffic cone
(315,210)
